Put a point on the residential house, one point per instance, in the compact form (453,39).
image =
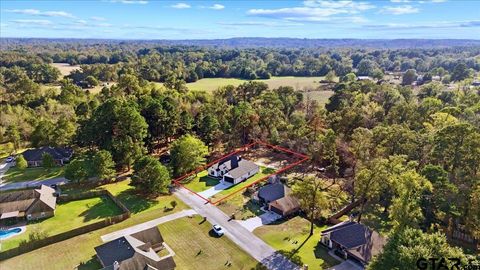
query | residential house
(139,251)
(353,240)
(59,154)
(233,169)
(364,78)
(30,204)
(277,197)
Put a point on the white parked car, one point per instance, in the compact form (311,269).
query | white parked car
(218,230)
(9,159)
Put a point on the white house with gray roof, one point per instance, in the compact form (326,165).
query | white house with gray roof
(233,169)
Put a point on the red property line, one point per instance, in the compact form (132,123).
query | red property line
(241,149)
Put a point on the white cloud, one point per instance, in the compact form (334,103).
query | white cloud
(428,25)
(400,10)
(181,6)
(140,2)
(34,22)
(37,12)
(261,23)
(98,19)
(400,1)
(217,7)
(318,11)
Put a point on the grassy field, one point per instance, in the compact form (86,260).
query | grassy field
(298,83)
(293,236)
(69,216)
(15,175)
(215,252)
(321,96)
(65,68)
(78,252)
(242,206)
(201,182)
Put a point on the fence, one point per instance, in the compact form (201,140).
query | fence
(29,246)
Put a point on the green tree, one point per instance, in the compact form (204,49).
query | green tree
(460,72)
(187,153)
(150,176)
(21,163)
(102,165)
(92,81)
(312,198)
(48,161)
(13,136)
(76,171)
(409,77)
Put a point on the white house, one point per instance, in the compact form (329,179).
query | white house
(233,169)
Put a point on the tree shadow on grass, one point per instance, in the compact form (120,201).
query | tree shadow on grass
(92,264)
(209,181)
(321,252)
(135,202)
(101,210)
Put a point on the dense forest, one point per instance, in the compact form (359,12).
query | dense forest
(412,152)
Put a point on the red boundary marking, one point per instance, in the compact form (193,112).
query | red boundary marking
(241,149)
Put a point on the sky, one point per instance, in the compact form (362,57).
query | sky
(154,19)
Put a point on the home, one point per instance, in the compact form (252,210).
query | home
(141,250)
(30,204)
(353,240)
(364,78)
(233,169)
(276,197)
(59,154)
(476,83)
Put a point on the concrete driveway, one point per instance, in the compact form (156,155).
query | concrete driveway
(346,265)
(266,218)
(3,169)
(214,190)
(245,239)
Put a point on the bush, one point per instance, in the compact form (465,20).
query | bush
(48,161)
(21,163)
(173,204)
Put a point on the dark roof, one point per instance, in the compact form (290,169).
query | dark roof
(357,239)
(56,152)
(135,251)
(244,166)
(273,192)
(230,162)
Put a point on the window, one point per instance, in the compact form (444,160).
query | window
(42,214)
(29,216)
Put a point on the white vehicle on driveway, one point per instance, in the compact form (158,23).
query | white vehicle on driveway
(218,230)
(9,159)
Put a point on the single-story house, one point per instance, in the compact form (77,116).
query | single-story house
(59,154)
(476,83)
(136,251)
(353,240)
(233,169)
(31,204)
(276,197)
(364,78)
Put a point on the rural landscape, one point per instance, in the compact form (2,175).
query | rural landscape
(297,151)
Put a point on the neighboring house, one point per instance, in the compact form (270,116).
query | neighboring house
(138,251)
(476,83)
(353,240)
(59,154)
(276,197)
(233,169)
(30,204)
(364,78)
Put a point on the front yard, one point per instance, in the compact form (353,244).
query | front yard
(195,246)
(201,182)
(68,216)
(292,237)
(242,206)
(29,174)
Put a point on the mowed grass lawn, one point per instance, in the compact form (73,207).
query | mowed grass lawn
(16,175)
(201,182)
(196,247)
(293,235)
(68,216)
(298,83)
(242,206)
(78,252)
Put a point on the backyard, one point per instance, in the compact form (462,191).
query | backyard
(292,237)
(68,216)
(30,174)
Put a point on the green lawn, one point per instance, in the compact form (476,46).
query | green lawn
(241,205)
(321,96)
(201,182)
(15,175)
(188,236)
(241,185)
(69,216)
(78,252)
(298,83)
(293,236)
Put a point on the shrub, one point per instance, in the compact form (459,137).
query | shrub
(21,163)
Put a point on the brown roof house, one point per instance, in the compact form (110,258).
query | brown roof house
(276,197)
(31,204)
(59,154)
(353,240)
(144,250)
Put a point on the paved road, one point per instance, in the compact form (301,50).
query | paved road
(3,169)
(245,239)
(26,184)
(147,225)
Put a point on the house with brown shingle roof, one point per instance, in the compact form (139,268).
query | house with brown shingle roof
(30,204)
(277,198)
(140,250)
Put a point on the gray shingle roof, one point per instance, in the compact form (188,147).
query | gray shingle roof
(56,152)
(244,166)
(273,192)
(24,199)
